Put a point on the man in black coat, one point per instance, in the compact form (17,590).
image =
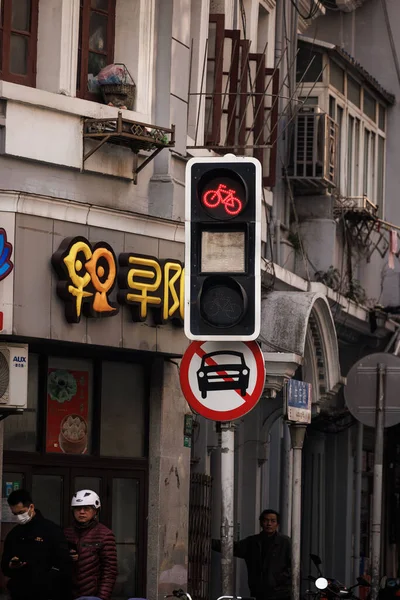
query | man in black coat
(268,558)
(36,557)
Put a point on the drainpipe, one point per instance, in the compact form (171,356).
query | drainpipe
(279,189)
(357,508)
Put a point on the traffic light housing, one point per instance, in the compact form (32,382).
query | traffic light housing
(223,248)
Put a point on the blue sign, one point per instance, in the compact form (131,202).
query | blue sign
(298,401)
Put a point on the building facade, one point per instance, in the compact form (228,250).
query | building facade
(92,213)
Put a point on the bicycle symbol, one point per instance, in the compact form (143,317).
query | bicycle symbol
(226,197)
(222,306)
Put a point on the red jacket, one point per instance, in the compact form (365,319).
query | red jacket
(96,570)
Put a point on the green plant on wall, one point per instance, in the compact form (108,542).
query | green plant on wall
(356,292)
(331,278)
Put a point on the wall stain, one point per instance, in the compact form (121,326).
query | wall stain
(178,481)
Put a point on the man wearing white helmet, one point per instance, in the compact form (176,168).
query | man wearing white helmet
(92,547)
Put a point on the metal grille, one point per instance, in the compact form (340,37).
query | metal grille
(199,536)
(315,150)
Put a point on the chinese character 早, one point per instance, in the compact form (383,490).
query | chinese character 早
(140,279)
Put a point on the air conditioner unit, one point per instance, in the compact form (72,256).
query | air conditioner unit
(314,160)
(13,376)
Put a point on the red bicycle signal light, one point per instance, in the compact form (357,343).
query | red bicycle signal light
(224,196)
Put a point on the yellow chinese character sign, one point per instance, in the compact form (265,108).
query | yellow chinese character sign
(88,274)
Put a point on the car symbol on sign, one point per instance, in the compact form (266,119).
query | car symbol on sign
(230,374)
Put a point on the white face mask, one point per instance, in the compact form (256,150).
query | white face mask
(24,518)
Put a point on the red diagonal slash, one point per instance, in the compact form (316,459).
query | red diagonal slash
(211,363)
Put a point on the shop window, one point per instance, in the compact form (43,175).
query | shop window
(96,44)
(125,515)
(69,406)
(47,492)
(20,430)
(122,410)
(18,36)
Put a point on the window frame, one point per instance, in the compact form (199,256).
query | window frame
(85,10)
(367,125)
(6,31)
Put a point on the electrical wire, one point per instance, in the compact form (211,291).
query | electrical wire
(312,12)
(330,5)
(391,39)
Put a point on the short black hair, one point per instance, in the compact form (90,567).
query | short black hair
(20,496)
(269,511)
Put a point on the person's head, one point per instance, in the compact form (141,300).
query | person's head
(269,521)
(20,502)
(85,506)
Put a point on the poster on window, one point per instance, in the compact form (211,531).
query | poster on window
(67,411)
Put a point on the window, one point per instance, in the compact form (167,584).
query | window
(357,157)
(309,101)
(336,77)
(369,105)
(122,410)
(69,406)
(96,43)
(380,173)
(382,118)
(367,138)
(350,157)
(18,34)
(353,91)
(309,65)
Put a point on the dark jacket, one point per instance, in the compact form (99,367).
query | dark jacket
(48,572)
(270,578)
(96,570)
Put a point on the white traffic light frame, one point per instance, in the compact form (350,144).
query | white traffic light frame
(226,160)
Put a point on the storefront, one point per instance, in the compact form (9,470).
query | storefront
(88,419)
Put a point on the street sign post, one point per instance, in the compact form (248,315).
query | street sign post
(222,381)
(298,413)
(372,398)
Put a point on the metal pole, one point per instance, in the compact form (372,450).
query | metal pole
(227,502)
(357,508)
(378,480)
(297,433)
(287,482)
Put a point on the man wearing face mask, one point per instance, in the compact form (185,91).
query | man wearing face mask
(36,556)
